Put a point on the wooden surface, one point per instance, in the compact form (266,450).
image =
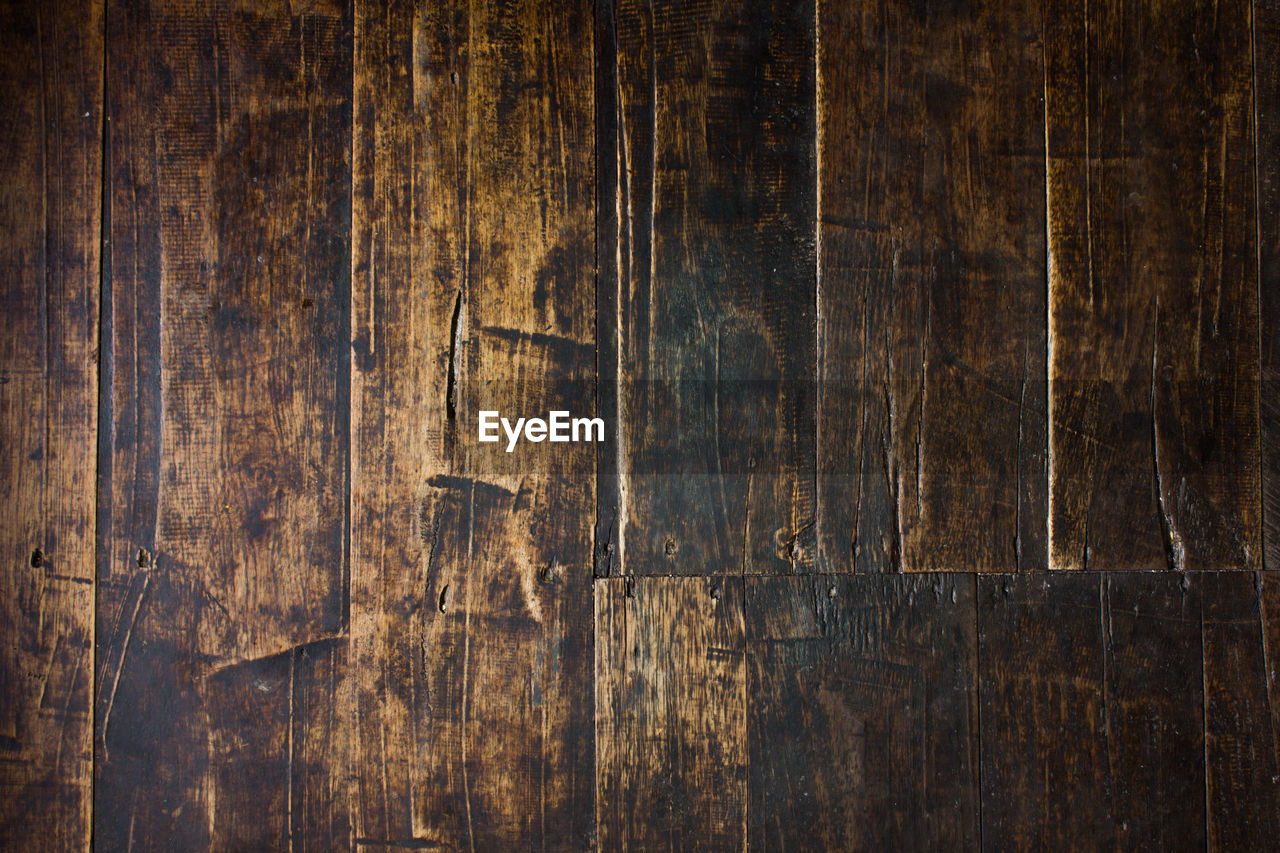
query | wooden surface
(708,115)
(937,345)
(1266,101)
(1153,327)
(471,599)
(225,371)
(930,142)
(51,83)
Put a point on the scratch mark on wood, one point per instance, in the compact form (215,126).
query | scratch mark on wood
(451,383)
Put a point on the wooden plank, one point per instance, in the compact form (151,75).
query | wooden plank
(863,724)
(1243,770)
(50,209)
(279,751)
(610,165)
(671,722)
(710,245)
(1091,698)
(473,290)
(1153,315)
(1266,79)
(225,381)
(931,292)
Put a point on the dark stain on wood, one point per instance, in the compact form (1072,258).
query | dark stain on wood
(709,243)
(1091,697)
(1266,106)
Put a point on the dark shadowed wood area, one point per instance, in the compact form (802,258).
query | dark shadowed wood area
(707,114)
(1153,300)
(936,351)
(931,286)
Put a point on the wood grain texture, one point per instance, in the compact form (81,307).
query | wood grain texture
(222,497)
(931,293)
(890,307)
(1243,765)
(863,724)
(1153,287)
(51,136)
(279,751)
(1092,693)
(710,247)
(671,745)
(1266,102)
(472,255)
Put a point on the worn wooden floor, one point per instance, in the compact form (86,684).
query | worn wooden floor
(938,344)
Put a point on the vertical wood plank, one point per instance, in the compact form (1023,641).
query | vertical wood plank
(1153,316)
(1091,700)
(279,751)
(472,290)
(709,241)
(863,725)
(931,289)
(223,458)
(610,165)
(671,713)
(1266,104)
(1243,770)
(50,207)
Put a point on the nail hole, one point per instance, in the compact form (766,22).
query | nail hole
(144,558)
(670,547)
(37,558)
(444,598)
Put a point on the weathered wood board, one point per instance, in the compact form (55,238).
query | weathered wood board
(708,245)
(671,713)
(937,345)
(472,290)
(1153,287)
(862,724)
(1266,106)
(1092,700)
(50,208)
(931,286)
(223,455)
